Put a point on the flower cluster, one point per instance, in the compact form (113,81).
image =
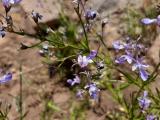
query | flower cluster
(91,87)
(132,54)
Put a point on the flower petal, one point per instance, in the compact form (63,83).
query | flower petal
(118,45)
(121,59)
(92,54)
(70,81)
(7,77)
(145,65)
(129,59)
(143,74)
(84,61)
(148,21)
(76,79)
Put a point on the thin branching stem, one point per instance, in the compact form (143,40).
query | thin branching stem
(84,30)
(21,94)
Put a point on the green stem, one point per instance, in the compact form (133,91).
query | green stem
(28,34)
(84,30)
(20,96)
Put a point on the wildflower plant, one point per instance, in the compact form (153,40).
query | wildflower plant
(88,70)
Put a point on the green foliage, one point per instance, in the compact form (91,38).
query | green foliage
(4,110)
(78,112)
(49,109)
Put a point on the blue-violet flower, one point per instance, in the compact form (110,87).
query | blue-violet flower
(8,3)
(128,57)
(5,78)
(90,14)
(118,45)
(83,61)
(92,54)
(74,81)
(93,90)
(148,21)
(141,68)
(144,102)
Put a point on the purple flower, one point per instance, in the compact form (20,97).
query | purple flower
(36,16)
(132,49)
(15,1)
(148,21)
(128,57)
(118,45)
(151,117)
(90,14)
(8,3)
(74,81)
(144,102)
(92,54)
(129,45)
(141,68)
(5,78)
(93,90)
(83,61)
